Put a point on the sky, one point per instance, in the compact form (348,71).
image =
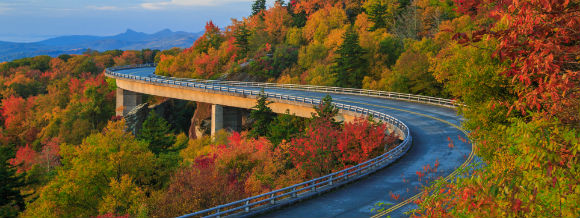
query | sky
(35,20)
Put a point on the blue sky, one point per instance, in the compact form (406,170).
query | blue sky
(33,20)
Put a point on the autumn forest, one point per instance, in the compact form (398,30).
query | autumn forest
(514,66)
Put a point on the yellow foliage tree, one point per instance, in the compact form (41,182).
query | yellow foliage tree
(322,22)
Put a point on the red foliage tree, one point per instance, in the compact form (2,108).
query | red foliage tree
(317,153)
(361,140)
(212,38)
(326,148)
(540,40)
(25,158)
(19,124)
(13,111)
(242,155)
(206,65)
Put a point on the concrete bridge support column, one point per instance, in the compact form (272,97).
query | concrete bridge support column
(217,118)
(126,101)
(223,117)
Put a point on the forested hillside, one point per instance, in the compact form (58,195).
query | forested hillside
(375,44)
(48,104)
(65,154)
(514,64)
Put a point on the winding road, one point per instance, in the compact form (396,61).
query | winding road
(432,128)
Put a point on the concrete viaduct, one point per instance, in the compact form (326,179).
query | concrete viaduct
(430,122)
(224,110)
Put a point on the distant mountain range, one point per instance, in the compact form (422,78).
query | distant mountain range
(130,40)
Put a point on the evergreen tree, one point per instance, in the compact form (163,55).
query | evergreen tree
(262,116)
(242,34)
(376,12)
(11,201)
(157,132)
(393,47)
(382,13)
(298,19)
(326,110)
(258,6)
(350,66)
(285,127)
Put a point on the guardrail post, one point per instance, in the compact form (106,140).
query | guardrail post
(218,211)
(313,186)
(294,194)
(247,208)
(272,200)
(330,180)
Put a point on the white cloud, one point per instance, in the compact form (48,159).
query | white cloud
(166,4)
(155,5)
(104,8)
(4,8)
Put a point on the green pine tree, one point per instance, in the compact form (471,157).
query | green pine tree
(11,201)
(258,6)
(326,110)
(262,116)
(285,127)
(350,65)
(393,47)
(242,34)
(382,13)
(377,12)
(157,132)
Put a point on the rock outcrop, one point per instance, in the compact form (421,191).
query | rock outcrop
(201,121)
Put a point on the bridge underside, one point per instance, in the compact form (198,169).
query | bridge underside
(126,101)
(224,105)
(223,117)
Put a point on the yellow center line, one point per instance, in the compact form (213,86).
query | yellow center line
(453,174)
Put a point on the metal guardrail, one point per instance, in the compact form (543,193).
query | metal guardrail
(328,89)
(305,189)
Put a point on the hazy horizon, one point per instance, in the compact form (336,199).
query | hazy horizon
(36,20)
(36,38)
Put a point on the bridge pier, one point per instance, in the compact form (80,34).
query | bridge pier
(217,118)
(223,117)
(126,101)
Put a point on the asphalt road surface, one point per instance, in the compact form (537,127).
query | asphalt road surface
(431,128)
